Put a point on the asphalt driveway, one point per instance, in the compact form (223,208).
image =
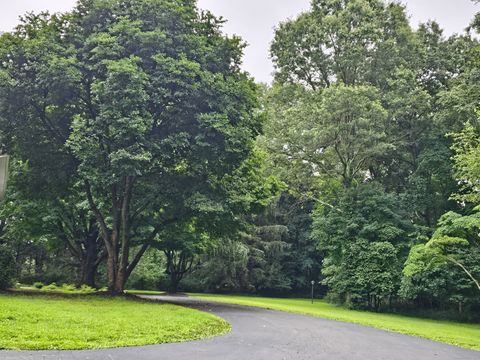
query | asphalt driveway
(259,334)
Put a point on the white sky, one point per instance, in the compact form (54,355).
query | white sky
(254,20)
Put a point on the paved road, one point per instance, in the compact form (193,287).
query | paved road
(259,334)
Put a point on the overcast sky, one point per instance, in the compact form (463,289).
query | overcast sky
(254,20)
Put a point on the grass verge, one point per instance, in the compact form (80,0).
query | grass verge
(47,323)
(453,333)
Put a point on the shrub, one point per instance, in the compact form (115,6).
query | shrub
(68,288)
(51,287)
(38,285)
(7,268)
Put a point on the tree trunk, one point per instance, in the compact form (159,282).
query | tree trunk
(174,283)
(179,263)
(88,271)
(39,261)
(117,237)
(90,260)
(124,236)
(466,271)
(112,270)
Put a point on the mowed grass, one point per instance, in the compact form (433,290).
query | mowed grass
(458,334)
(44,323)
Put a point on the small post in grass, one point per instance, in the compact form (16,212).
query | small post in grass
(3,175)
(313,284)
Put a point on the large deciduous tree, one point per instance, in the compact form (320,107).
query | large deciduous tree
(364,238)
(349,41)
(337,133)
(145,102)
(38,97)
(165,111)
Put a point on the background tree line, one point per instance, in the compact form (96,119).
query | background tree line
(144,157)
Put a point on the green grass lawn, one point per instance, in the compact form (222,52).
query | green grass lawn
(459,334)
(45,322)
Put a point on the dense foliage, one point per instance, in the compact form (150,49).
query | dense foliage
(139,113)
(360,122)
(137,140)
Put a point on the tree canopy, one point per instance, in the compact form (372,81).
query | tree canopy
(143,155)
(141,105)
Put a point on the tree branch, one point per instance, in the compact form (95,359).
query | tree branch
(477,283)
(146,245)
(98,214)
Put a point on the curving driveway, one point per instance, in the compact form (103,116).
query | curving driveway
(259,334)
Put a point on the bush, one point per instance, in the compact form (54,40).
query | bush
(38,285)
(7,268)
(51,287)
(68,288)
(65,288)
